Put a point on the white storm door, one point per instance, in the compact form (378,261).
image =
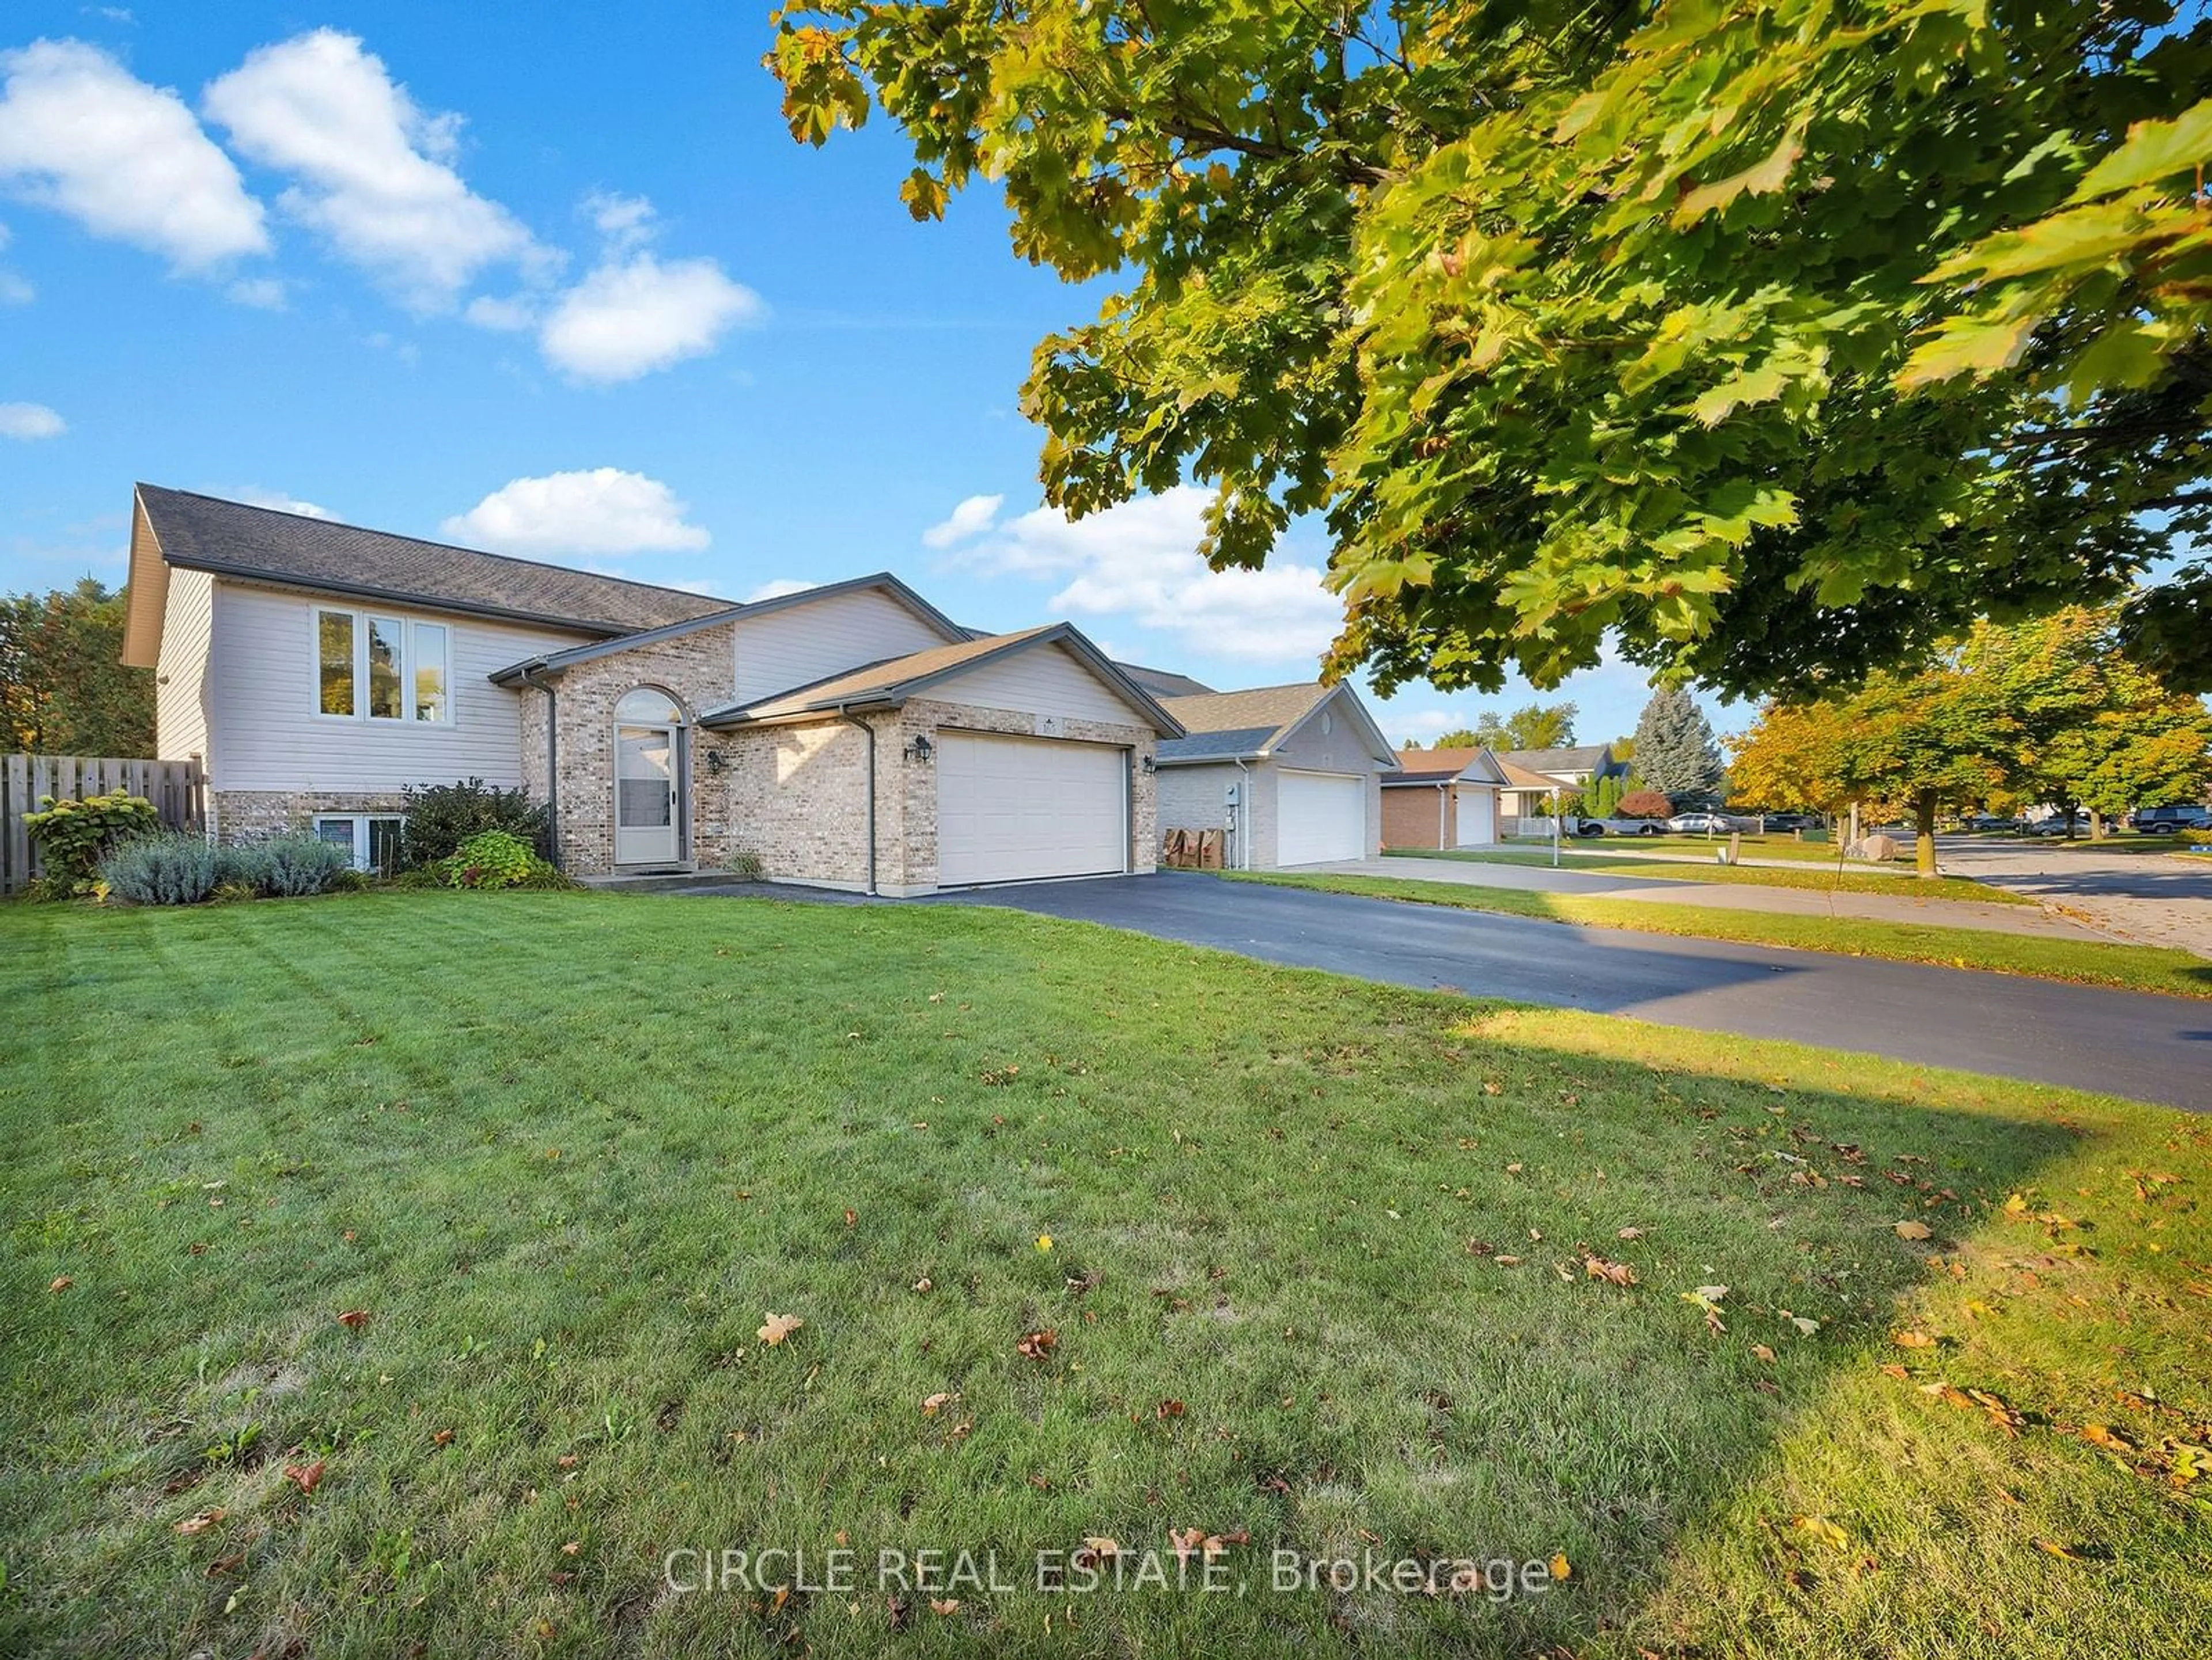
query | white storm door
(648,788)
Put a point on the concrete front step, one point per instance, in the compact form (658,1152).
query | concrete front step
(664,881)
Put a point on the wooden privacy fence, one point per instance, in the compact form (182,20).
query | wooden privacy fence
(178,790)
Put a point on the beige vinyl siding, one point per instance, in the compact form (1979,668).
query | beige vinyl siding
(262,702)
(798,645)
(180,715)
(1044,680)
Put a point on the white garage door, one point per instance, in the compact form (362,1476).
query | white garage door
(1478,817)
(1016,809)
(1320,815)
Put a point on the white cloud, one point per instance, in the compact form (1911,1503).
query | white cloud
(254,496)
(601,511)
(625,222)
(508,316)
(28,421)
(778,588)
(632,316)
(971,518)
(1140,561)
(14,291)
(79,134)
(263,293)
(375,170)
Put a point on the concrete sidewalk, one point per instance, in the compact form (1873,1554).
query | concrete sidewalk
(1789,901)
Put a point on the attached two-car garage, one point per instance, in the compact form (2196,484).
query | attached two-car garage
(1024,809)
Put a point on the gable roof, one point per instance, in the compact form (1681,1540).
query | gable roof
(890,683)
(1474,765)
(1526,778)
(229,539)
(1579,758)
(1164,683)
(1248,725)
(553,662)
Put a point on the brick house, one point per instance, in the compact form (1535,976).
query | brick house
(1443,797)
(849,736)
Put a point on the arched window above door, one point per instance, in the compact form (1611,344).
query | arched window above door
(649,706)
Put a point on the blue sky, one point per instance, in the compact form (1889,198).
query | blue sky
(554,279)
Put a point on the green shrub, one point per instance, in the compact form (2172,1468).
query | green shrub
(169,867)
(2196,838)
(441,817)
(74,837)
(292,866)
(494,858)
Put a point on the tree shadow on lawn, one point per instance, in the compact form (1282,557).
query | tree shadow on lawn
(1319,1271)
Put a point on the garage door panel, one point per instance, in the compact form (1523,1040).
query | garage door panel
(1022,809)
(1319,817)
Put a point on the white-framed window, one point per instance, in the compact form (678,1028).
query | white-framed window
(369,667)
(372,838)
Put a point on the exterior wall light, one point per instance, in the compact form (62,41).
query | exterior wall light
(920,749)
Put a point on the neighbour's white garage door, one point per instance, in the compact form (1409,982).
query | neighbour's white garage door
(1016,809)
(1478,817)
(1320,815)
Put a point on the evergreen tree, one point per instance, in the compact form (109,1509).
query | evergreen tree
(1675,753)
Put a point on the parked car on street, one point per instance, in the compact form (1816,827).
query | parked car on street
(1578,825)
(2163,821)
(2054,825)
(1701,824)
(1988,823)
(1790,821)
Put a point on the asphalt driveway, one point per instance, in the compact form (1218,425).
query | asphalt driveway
(2130,1043)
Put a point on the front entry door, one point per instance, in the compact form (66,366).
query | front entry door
(648,796)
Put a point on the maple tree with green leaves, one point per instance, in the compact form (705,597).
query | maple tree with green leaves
(1775,342)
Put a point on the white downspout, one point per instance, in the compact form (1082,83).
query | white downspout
(1243,817)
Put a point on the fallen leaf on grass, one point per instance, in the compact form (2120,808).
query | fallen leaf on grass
(202,1523)
(1823,1529)
(1912,1340)
(354,1319)
(779,1326)
(1805,1325)
(574,1548)
(924,1284)
(1096,1548)
(1507,1261)
(2056,1549)
(306,1477)
(945,1605)
(1561,1568)
(1763,1353)
(442,1439)
(2104,1435)
(1168,1409)
(1913,1230)
(1629,1233)
(1617,1273)
(62,1282)
(1036,1345)
(933,1404)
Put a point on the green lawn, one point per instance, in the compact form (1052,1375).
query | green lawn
(1320,1274)
(2089,962)
(1830,880)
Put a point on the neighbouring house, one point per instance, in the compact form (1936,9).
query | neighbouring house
(848,736)
(1445,797)
(1290,774)
(1532,775)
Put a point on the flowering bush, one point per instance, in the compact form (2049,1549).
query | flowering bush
(74,837)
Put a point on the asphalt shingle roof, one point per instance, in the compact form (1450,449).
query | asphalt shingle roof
(1226,724)
(1164,683)
(1581,758)
(1434,766)
(205,532)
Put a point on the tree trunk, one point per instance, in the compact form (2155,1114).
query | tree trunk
(2096,825)
(1923,839)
